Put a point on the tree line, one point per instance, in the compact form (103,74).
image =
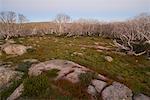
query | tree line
(130,35)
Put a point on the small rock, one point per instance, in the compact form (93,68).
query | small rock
(14,49)
(83,48)
(29,47)
(78,53)
(34,44)
(37,41)
(147,73)
(101,77)
(117,91)
(141,97)
(91,90)
(120,77)
(108,58)
(99,85)
(31,60)
(99,50)
(10,41)
(96,43)
(17,93)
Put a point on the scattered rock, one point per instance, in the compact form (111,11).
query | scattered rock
(31,60)
(7,75)
(108,58)
(102,48)
(117,91)
(37,41)
(101,77)
(70,71)
(29,47)
(14,49)
(119,53)
(99,85)
(10,41)
(120,77)
(97,47)
(147,73)
(83,48)
(78,54)
(34,44)
(96,43)
(99,50)
(141,97)
(91,90)
(17,93)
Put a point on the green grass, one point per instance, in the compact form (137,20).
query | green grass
(86,78)
(35,86)
(129,70)
(52,73)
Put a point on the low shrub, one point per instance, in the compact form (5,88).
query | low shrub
(24,66)
(86,78)
(36,85)
(52,73)
(75,91)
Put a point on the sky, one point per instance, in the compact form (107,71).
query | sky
(104,10)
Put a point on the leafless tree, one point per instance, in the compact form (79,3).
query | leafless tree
(62,20)
(133,34)
(11,24)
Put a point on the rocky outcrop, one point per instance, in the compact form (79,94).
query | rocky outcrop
(99,85)
(117,91)
(141,97)
(68,70)
(17,93)
(7,75)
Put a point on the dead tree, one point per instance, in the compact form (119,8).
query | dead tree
(61,21)
(133,35)
(11,24)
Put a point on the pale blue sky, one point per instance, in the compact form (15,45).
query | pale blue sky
(106,10)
